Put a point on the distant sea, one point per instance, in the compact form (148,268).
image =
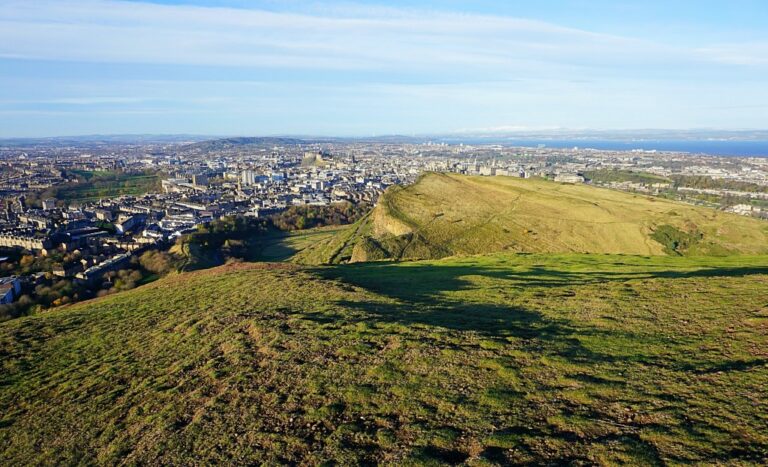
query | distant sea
(711,147)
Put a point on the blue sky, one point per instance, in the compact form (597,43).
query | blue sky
(241,67)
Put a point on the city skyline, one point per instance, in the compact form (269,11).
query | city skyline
(358,69)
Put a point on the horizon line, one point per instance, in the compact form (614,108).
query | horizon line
(456,133)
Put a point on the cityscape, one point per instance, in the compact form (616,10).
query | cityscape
(159,192)
(409,233)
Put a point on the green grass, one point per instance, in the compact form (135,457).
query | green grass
(605,176)
(89,175)
(537,359)
(98,185)
(283,246)
(269,246)
(444,215)
(149,278)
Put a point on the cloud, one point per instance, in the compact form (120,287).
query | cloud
(364,38)
(135,66)
(83,101)
(506,129)
(754,53)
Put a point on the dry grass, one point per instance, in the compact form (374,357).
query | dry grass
(444,215)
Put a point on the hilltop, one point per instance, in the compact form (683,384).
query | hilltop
(491,360)
(445,214)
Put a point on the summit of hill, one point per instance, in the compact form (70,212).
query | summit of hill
(447,214)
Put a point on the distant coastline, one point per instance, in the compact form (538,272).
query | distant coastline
(723,148)
(693,143)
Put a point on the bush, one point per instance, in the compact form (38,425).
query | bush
(307,217)
(675,241)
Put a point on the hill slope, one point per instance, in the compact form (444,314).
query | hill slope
(495,360)
(443,215)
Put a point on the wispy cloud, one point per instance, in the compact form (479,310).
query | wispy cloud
(364,38)
(115,101)
(77,101)
(753,53)
(136,66)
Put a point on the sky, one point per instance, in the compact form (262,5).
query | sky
(360,68)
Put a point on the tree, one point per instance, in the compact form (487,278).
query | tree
(157,262)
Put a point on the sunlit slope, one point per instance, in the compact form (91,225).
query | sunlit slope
(498,360)
(444,214)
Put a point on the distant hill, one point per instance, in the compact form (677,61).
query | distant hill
(445,214)
(495,360)
(100,140)
(230,143)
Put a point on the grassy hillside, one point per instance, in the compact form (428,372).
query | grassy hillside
(259,242)
(97,185)
(483,360)
(283,246)
(443,215)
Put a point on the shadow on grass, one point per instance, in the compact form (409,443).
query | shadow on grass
(272,247)
(492,322)
(424,282)
(419,299)
(731,365)
(418,293)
